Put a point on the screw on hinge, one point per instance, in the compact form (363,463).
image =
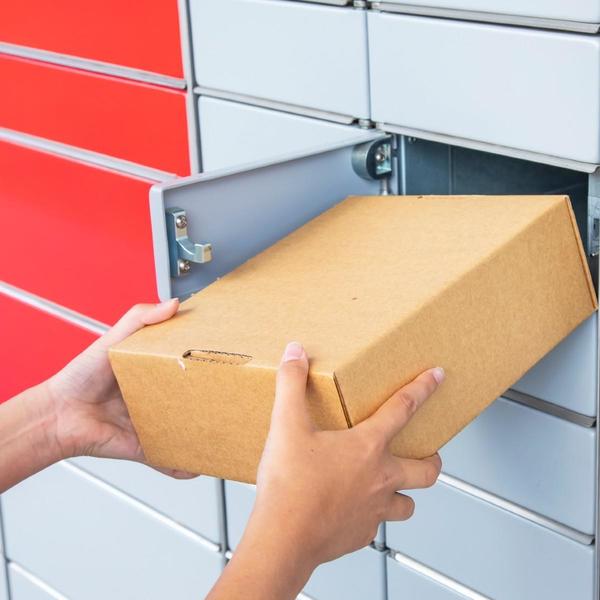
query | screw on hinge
(183,266)
(373,160)
(181,222)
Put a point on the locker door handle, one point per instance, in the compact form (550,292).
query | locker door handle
(183,251)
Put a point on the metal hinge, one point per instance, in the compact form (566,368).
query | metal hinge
(182,251)
(373,160)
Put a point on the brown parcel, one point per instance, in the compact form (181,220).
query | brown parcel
(377,289)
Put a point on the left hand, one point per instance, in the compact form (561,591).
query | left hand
(90,416)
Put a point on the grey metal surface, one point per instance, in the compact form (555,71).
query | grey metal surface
(95,66)
(488,83)
(242,211)
(233,133)
(194,503)
(295,52)
(356,576)
(516,13)
(3,580)
(91,541)
(406,578)
(26,586)
(188,72)
(568,375)
(284,107)
(530,458)
(492,551)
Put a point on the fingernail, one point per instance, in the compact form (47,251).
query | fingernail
(293,351)
(167,302)
(438,374)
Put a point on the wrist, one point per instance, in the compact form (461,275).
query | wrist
(41,423)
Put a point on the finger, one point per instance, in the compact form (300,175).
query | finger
(412,474)
(290,409)
(397,411)
(176,473)
(401,508)
(137,317)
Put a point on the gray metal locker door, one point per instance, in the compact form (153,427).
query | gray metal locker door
(242,211)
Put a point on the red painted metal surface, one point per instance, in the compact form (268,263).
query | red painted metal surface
(142,35)
(138,122)
(35,345)
(77,235)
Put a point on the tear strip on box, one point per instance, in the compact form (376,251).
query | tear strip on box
(216,356)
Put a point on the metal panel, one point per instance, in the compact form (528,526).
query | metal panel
(538,461)
(404,582)
(23,329)
(26,586)
(109,31)
(3,581)
(569,374)
(134,121)
(233,133)
(585,11)
(492,551)
(243,211)
(193,503)
(90,541)
(509,86)
(355,576)
(89,232)
(294,52)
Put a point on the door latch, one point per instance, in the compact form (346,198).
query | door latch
(373,160)
(182,251)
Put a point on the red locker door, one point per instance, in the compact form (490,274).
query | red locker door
(139,122)
(141,35)
(35,345)
(75,234)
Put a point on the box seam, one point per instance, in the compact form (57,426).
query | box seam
(582,254)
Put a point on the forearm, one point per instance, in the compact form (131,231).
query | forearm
(27,441)
(267,564)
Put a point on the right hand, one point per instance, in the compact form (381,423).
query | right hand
(328,491)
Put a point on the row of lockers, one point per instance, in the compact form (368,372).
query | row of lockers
(510,87)
(61,526)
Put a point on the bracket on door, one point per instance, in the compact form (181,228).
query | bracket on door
(373,160)
(182,251)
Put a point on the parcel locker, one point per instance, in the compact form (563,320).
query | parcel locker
(18,372)
(310,56)
(194,503)
(576,15)
(492,550)
(353,577)
(148,40)
(3,580)
(513,89)
(26,586)
(88,540)
(71,205)
(233,133)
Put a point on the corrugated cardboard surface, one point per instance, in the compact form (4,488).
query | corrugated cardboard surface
(377,289)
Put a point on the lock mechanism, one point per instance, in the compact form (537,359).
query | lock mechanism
(182,251)
(373,160)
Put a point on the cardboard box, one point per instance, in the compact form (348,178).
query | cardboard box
(378,289)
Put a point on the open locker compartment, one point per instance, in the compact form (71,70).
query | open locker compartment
(242,211)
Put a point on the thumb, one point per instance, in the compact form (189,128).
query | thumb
(290,410)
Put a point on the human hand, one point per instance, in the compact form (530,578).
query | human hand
(322,494)
(90,416)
